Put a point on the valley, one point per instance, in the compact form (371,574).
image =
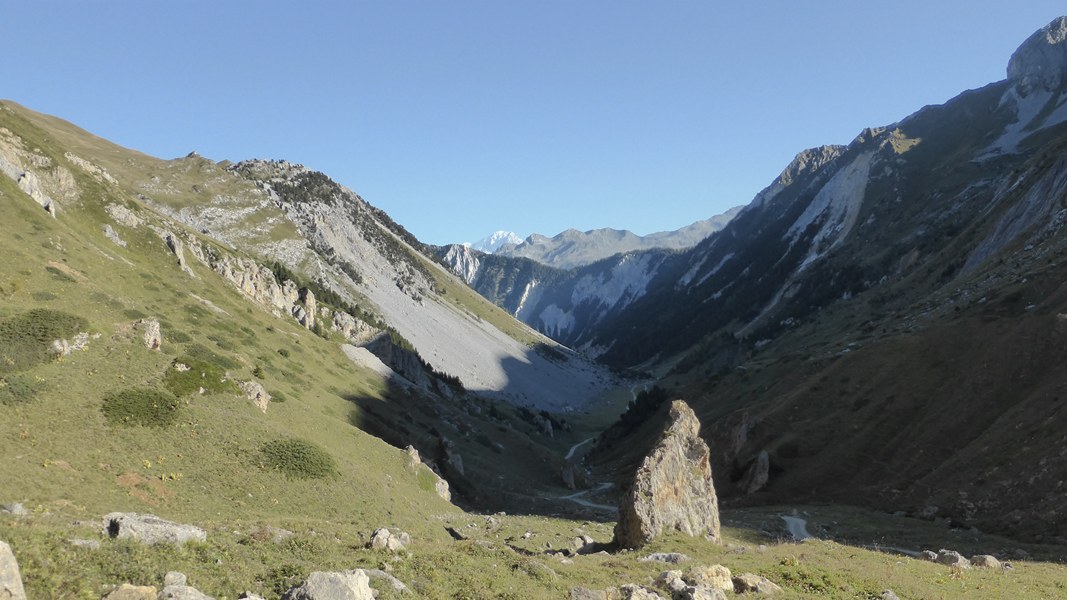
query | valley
(871,351)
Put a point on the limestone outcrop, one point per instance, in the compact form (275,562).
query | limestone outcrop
(673,488)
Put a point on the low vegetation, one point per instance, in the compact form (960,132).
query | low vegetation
(299,458)
(26,338)
(146,407)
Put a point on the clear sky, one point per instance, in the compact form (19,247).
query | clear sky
(462,117)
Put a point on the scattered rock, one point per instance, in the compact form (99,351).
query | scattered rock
(124,216)
(672,582)
(174,578)
(673,488)
(393,582)
(347,585)
(758,473)
(128,591)
(255,392)
(383,539)
(581,593)
(178,248)
(700,592)
(182,592)
(665,557)
(928,555)
(715,576)
(566,474)
(83,543)
(14,509)
(150,529)
(582,545)
(453,459)
(952,559)
(544,425)
(308,314)
(749,583)
(441,487)
(637,592)
(10,578)
(985,561)
(111,234)
(153,337)
(889,595)
(250,596)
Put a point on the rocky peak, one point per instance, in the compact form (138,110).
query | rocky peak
(1041,61)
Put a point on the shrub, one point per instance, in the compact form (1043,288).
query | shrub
(26,338)
(18,389)
(298,458)
(141,406)
(283,352)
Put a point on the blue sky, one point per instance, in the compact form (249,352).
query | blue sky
(463,117)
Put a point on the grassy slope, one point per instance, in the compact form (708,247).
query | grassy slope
(70,467)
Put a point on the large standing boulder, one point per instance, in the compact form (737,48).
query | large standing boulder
(255,392)
(153,336)
(672,489)
(347,585)
(10,579)
(150,529)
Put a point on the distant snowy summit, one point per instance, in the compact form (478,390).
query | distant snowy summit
(494,241)
(573,248)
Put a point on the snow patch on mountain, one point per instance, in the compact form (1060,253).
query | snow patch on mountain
(491,243)
(1034,112)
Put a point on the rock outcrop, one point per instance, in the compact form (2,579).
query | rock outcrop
(1041,61)
(673,487)
(383,539)
(10,578)
(758,473)
(255,392)
(150,529)
(153,337)
(346,585)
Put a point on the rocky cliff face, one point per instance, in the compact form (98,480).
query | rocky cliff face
(1041,61)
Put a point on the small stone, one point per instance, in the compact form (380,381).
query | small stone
(928,555)
(666,557)
(14,508)
(581,593)
(128,591)
(985,561)
(393,582)
(748,583)
(182,592)
(383,539)
(346,585)
(890,595)
(953,559)
(715,576)
(637,592)
(174,578)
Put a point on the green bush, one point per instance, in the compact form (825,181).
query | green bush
(18,389)
(141,406)
(26,338)
(298,458)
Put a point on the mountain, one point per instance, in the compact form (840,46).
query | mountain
(883,323)
(494,241)
(572,248)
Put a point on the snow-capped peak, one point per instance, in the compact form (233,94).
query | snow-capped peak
(494,241)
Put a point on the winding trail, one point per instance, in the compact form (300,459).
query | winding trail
(577,498)
(570,452)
